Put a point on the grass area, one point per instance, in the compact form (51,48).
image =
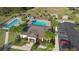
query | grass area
(13,41)
(49,47)
(39,12)
(12,36)
(4,18)
(45,11)
(35,46)
(20,43)
(2,38)
(76,28)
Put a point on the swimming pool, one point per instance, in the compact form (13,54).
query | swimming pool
(14,22)
(39,23)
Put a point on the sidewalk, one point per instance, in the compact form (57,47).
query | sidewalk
(26,47)
(56,41)
(6,41)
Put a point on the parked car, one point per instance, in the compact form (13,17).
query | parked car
(65,43)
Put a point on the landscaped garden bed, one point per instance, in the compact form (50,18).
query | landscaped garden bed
(13,39)
(21,43)
(45,46)
(49,47)
(35,46)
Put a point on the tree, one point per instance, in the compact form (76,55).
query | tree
(11,10)
(74,17)
(15,29)
(48,35)
(54,23)
(18,38)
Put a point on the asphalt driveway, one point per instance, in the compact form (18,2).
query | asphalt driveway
(67,28)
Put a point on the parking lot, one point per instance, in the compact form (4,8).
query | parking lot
(66,31)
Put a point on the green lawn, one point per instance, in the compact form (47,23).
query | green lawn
(12,36)
(43,12)
(2,38)
(13,41)
(49,47)
(20,43)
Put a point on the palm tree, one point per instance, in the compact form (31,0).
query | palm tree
(15,29)
(18,29)
(54,23)
(48,35)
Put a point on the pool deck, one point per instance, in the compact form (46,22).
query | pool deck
(11,20)
(8,23)
(41,19)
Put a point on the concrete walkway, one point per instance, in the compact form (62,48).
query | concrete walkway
(56,41)
(26,47)
(6,41)
(62,21)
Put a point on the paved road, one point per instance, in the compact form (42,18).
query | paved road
(6,41)
(73,35)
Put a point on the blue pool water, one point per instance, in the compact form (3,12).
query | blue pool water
(39,23)
(13,23)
